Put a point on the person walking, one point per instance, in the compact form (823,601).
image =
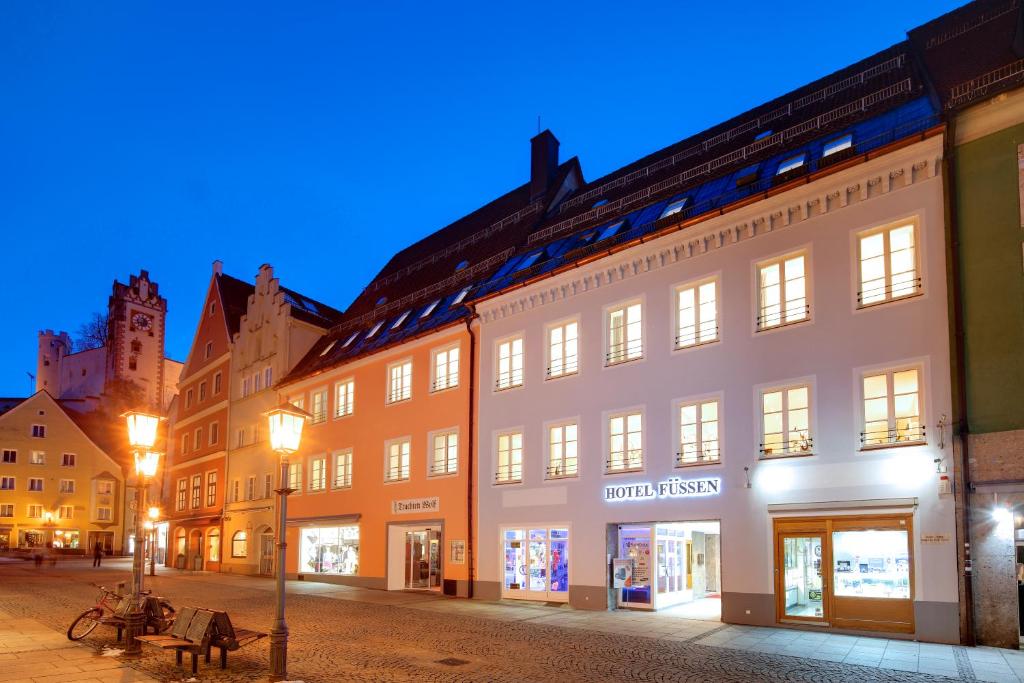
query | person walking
(97,554)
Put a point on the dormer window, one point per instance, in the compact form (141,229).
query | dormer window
(791,163)
(351,339)
(837,145)
(430,309)
(674,207)
(462,295)
(375,329)
(327,348)
(401,319)
(746,176)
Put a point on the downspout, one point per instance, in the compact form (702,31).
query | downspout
(471,476)
(959,376)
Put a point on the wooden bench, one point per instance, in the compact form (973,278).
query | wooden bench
(226,637)
(191,632)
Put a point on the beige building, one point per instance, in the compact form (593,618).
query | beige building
(57,487)
(278,328)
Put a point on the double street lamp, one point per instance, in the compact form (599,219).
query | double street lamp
(286,422)
(142,428)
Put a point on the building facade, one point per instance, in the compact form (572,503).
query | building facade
(197,445)
(278,328)
(58,489)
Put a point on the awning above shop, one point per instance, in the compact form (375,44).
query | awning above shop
(869,504)
(330,520)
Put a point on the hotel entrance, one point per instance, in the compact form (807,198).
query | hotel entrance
(849,572)
(669,565)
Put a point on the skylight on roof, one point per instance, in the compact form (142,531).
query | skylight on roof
(675,207)
(791,163)
(462,295)
(838,145)
(401,319)
(350,339)
(762,135)
(375,329)
(462,266)
(430,309)
(328,348)
(528,261)
(610,230)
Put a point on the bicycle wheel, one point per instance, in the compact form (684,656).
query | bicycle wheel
(85,623)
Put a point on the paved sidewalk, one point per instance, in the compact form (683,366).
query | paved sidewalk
(31,652)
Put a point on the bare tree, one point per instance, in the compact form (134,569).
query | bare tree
(93,334)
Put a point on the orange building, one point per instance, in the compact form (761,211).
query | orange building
(194,477)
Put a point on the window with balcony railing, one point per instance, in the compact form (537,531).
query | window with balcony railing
(318,403)
(510,458)
(445,456)
(625,443)
(782,292)
(400,382)
(625,334)
(563,450)
(892,409)
(446,369)
(698,433)
(509,370)
(888,264)
(786,421)
(697,313)
(563,349)
(343,469)
(397,466)
(344,398)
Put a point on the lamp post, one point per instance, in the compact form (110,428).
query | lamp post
(154,514)
(141,437)
(286,422)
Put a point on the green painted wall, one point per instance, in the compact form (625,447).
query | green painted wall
(988,208)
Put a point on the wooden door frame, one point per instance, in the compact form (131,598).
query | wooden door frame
(804,530)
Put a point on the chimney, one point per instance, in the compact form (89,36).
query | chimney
(543,163)
(218,267)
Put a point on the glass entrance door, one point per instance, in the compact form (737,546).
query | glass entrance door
(536,563)
(422,559)
(801,575)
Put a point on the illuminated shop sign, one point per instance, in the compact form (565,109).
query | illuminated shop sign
(670,488)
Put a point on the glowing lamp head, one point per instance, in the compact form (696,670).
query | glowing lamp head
(154,513)
(141,429)
(48,516)
(146,463)
(286,422)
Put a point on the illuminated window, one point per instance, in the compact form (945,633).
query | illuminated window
(675,207)
(892,408)
(625,334)
(197,490)
(888,264)
(344,398)
(211,489)
(697,313)
(250,488)
(791,163)
(401,319)
(510,363)
(625,442)
(66,512)
(782,291)
(182,494)
(510,458)
(295,476)
(239,545)
(319,405)
(444,457)
(67,485)
(400,381)
(430,308)
(343,469)
(446,368)
(698,433)
(461,295)
(786,421)
(563,444)
(563,349)
(397,466)
(317,474)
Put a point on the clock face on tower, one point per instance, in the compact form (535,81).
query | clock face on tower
(141,321)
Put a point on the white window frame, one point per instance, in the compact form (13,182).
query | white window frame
(315,483)
(31,484)
(628,350)
(67,485)
(64,460)
(404,468)
(101,517)
(6,509)
(10,456)
(505,380)
(812,426)
(319,415)
(403,390)
(510,467)
(567,367)
(551,472)
(35,511)
(916,284)
(918,437)
(702,333)
(295,477)
(14,483)
(37,457)
(70,509)
(442,376)
(787,316)
(38,431)
(624,414)
(699,401)
(344,397)
(447,470)
(343,455)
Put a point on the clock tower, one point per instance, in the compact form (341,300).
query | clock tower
(135,337)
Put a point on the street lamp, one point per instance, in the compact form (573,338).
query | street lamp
(154,515)
(141,437)
(286,423)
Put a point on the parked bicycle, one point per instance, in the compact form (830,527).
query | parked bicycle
(112,607)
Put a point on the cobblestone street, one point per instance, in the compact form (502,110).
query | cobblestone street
(339,634)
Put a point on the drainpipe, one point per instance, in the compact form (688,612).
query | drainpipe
(959,372)
(471,476)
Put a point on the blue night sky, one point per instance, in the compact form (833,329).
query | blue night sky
(322,138)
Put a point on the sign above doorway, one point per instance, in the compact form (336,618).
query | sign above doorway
(673,487)
(413,505)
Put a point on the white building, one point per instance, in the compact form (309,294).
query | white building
(734,411)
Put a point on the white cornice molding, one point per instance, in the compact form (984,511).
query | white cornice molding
(876,178)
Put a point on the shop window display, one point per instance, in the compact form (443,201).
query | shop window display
(330,550)
(873,563)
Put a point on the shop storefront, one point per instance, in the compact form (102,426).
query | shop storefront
(66,539)
(536,560)
(414,556)
(329,550)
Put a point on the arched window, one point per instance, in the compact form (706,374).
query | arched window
(213,545)
(239,545)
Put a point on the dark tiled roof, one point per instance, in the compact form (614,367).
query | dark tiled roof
(974,51)
(311,310)
(234,296)
(8,403)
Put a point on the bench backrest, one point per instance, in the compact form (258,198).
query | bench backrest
(199,630)
(124,605)
(182,621)
(222,622)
